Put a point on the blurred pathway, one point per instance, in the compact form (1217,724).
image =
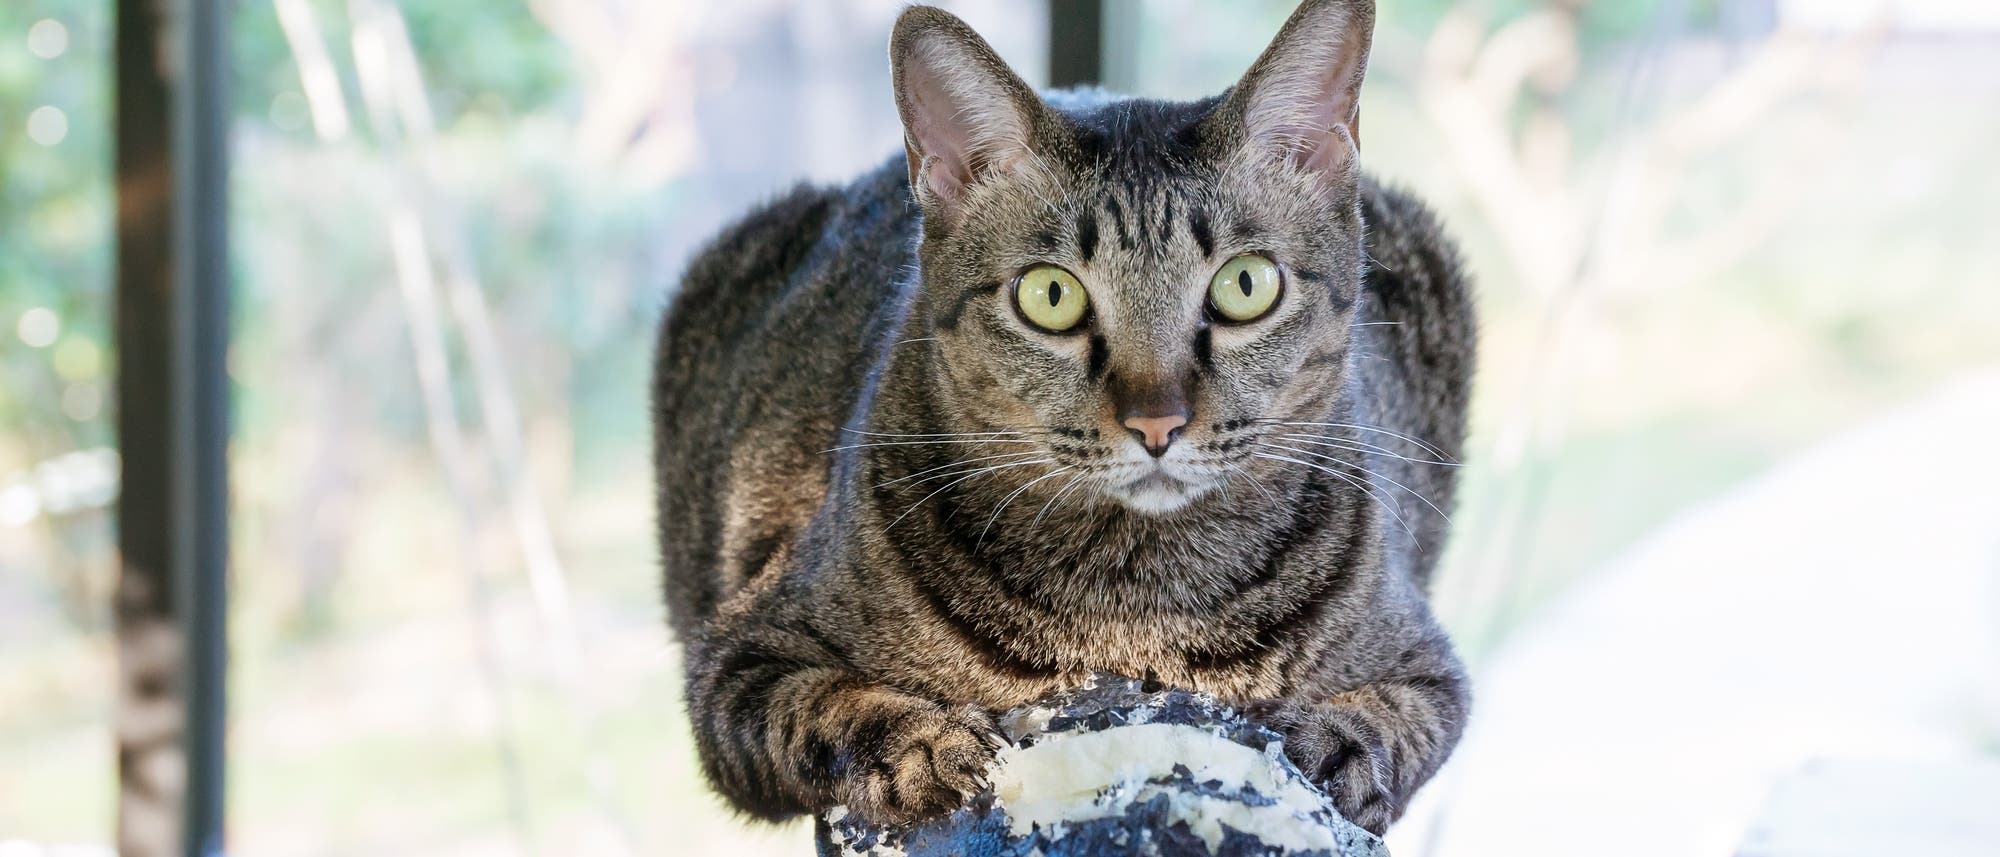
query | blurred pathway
(1843,605)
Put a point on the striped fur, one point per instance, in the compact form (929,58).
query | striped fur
(889,508)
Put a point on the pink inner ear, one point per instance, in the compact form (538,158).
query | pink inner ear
(1323,145)
(946,184)
(1303,97)
(1330,143)
(1330,149)
(939,136)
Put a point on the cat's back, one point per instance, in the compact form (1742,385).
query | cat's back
(762,352)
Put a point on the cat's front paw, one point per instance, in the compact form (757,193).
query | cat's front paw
(1339,750)
(919,764)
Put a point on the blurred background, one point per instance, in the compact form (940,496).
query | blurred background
(1729,539)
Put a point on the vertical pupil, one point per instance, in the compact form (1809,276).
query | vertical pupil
(1243,281)
(1055,294)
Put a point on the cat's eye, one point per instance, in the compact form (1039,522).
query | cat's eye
(1245,288)
(1051,298)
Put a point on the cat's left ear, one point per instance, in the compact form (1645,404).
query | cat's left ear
(1301,101)
(967,117)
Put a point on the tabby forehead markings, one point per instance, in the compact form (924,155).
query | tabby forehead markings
(1045,241)
(1198,227)
(1086,235)
(1245,231)
(1117,214)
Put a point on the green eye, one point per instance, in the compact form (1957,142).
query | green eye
(1245,288)
(1051,298)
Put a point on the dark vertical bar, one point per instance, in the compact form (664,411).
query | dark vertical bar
(1076,42)
(149,641)
(171,309)
(201,394)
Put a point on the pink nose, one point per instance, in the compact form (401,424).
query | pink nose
(1156,433)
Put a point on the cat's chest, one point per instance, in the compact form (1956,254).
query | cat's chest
(1038,657)
(1194,608)
(1243,635)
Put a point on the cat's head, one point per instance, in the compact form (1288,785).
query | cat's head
(1135,285)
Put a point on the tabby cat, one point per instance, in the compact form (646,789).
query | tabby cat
(1081,383)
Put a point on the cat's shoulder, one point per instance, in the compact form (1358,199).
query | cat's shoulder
(780,232)
(1405,236)
(771,234)
(1395,212)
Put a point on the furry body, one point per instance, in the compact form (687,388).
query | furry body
(851,616)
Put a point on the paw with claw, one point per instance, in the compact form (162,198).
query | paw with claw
(919,764)
(1340,751)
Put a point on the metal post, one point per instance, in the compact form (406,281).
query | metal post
(201,389)
(1076,43)
(172,302)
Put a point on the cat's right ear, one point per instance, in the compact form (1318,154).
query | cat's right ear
(967,117)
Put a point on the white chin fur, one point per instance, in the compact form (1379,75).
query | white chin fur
(1157,498)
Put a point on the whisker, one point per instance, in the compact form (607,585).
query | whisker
(1254,483)
(1010,498)
(1365,489)
(1358,446)
(1356,441)
(1072,483)
(952,465)
(925,443)
(995,433)
(926,498)
(1370,474)
(1376,429)
(1378,448)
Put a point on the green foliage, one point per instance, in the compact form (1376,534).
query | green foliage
(495,50)
(54,211)
(476,54)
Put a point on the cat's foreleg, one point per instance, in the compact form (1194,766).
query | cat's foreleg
(783,727)
(1374,744)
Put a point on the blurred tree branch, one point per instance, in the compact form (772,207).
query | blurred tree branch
(317,76)
(1556,227)
(1578,230)
(392,84)
(639,86)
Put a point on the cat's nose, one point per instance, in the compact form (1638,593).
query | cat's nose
(1156,433)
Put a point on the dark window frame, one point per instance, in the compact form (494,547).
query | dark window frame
(171,309)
